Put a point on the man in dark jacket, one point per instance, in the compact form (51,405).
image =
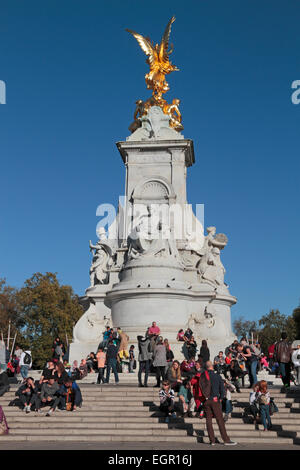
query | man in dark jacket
(212,405)
(282,354)
(111,361)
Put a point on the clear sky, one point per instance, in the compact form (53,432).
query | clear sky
(72,76)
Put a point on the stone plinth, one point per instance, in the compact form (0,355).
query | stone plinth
(178,280)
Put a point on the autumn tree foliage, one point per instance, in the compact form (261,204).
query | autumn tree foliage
(39,311)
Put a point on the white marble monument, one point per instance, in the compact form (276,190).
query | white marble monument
(155,263)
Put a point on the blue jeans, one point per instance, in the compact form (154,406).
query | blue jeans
(265,416)
(285,371)
(24,371)
(228,406)
(252,372)
(112,364)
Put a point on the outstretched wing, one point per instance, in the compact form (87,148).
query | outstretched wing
(146,46)
(163,48)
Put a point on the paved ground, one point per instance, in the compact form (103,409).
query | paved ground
(140,446)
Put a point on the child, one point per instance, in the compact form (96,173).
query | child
(263,400)
(166,398)
(131,358)
(264,363)
(227,402)
(186,399)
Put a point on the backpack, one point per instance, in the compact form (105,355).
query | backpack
(262,399)
(27,359)
(204,384)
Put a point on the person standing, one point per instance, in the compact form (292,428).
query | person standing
(296,362)
(25,363)
(214,395)
(131,359)
(106,336)
(251,362)
(101,358)
(111,361)
(204,354)
(18,352)
(169,353)
(144,357)
(160,360)
(282,354)
(153,332)
(264,404)
(123,347)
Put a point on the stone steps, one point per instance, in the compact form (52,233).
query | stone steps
(126,413)
(99,438)
(149,431)
(128,378)
(254,440)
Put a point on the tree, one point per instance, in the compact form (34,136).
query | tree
(272,326)
(47,309)
(243,327)
(9,310)
(296,317)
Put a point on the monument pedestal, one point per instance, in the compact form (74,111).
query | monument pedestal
(175,278)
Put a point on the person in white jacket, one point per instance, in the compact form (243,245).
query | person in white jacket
(25,363)
(296,362)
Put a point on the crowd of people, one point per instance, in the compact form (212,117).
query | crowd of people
(56,390)
(203,386)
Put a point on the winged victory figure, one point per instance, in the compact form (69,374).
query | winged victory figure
(158,60)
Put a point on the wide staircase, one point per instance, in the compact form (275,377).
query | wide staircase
(124,412)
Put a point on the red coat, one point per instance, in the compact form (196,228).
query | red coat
(197,393)
(271,350)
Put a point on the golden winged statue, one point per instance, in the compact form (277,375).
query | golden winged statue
(160,66)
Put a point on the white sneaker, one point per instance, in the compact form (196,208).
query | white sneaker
(230,443)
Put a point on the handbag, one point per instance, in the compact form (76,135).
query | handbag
(273,407)
(3,429)
(134,364)
(69,400)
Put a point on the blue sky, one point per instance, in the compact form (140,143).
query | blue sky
(73,74)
